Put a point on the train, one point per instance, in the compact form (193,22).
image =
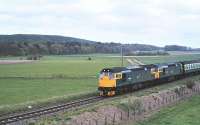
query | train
(117,80)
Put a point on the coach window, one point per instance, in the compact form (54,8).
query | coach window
(164,70)
(153,70)
(160,69)
(124,77)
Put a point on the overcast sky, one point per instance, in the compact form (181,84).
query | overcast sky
(157,22)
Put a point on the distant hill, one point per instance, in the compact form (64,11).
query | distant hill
(177,48)
(40,38)
(32,44)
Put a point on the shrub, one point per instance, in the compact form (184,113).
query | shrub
(89,58)
(190,84)
(177,91)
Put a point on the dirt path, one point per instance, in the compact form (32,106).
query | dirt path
(15,61)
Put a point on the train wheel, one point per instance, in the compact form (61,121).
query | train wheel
(112,93)
(101,93)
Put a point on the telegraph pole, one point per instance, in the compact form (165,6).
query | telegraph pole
(122,58)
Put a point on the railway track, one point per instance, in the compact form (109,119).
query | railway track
(48,110)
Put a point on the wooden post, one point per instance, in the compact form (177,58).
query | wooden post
(96,122)
(114,119)
(105,120)
(134,114)
(163,100)
(149,107)
(128,114)
(89,122)
(121,115)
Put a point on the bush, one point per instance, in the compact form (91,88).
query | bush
(34,57)
(29,58)
(132,104)
(190,84)
(89,58)
(177,91)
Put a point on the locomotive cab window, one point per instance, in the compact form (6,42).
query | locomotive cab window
(118,76)
(107,74)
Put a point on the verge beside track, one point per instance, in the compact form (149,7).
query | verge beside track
(48,110)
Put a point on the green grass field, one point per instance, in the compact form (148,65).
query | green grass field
(57,76)
(186,113)
(26,90)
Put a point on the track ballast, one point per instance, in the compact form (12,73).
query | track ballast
(48,110)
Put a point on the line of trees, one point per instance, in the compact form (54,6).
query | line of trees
(54,48)
(22,45)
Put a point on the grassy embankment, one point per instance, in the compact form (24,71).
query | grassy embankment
(185,113)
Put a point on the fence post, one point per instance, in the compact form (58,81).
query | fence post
(96,122)
(181,92)
(133,114)
(114,119)
(163,99)
(105,120)
(89,122)
(154,104)
(149,106)
(121,115)
(185,94)
(128,113)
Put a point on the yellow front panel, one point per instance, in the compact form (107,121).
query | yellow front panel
(106,82)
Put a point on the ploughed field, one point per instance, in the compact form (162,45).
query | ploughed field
(61,76)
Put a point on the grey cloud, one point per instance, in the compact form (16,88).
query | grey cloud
(155,22)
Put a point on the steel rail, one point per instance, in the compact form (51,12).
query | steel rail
(48,110)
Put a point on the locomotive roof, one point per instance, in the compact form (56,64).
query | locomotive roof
(141,67)
(114,69)
(193,61)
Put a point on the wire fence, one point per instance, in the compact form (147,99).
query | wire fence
(117,118)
